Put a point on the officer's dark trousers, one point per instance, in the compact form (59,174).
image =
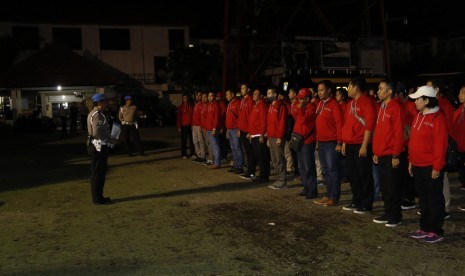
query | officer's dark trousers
(129,132)
(98,170)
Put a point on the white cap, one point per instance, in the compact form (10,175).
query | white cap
(427,91)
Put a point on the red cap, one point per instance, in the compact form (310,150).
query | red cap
(303,92)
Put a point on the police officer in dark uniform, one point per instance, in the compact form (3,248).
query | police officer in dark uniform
(98,147)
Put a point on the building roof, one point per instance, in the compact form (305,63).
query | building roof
(56,65)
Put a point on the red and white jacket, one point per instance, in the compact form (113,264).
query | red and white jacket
(458,128)
(197,113)
(305,122)
(388,137)
(245,107)
(232,113)
(329,121)
(360,116)
(257,118)
(184,116)
(428,139)
(276,120)
(213,116)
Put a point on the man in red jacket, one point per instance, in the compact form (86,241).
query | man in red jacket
(243,130)
(388,144)
(203,124)
(458,133)
(329,124)
(276,134)
(359,123)
(224,144)
(184,123)
(197,135)
(257,132)
(232,116)
(427,154)
(305,127)
(213,126)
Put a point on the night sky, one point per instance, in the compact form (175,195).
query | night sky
(206,17)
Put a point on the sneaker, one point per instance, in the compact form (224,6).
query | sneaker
(362,211)
(350,207)
(446,215)
(462,208)
(419,234)
(381,219)
(278,185)
(199,160)
(433,238)
(393,223)
(246,176)
(184,157)
(208,163)
(238,171)
(407,204)
(321,201)
(232,169)
(462,187)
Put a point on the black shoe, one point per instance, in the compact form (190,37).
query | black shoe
(238,171)
(350,207)
(407,204)
(232,169)
(311,196)
(362,210)
(104,201)
(382,219)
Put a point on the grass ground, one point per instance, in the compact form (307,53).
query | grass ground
(174,217)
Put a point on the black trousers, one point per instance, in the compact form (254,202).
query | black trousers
(408,186)
(431,199)
(461,167)
(251,162)
(224,145)
(186,133)
(360,174)
(130,133)
(262,157)
(391,187)
(98,170)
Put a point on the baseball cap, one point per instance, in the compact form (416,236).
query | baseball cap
(427,91)
(99,97)
(127,98)
(303,92)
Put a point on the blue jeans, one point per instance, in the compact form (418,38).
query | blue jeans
(331,168)
(307,168)
(215,143)
(236,148)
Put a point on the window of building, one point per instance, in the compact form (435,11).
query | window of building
(176,39)
(26,37)
(69,37)
(115,39)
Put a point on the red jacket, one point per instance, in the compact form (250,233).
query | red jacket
(343,106)
(276,120)
(223,107)
(353,130)
(184,116)
(203,115)
(232,113)
(329,121)
(411,111)
(448,110)
(213,116)
(294,110)
(245,107)
(196,119)
(388,137)
(257,118)
(305,123)
(458,128)
(428,140)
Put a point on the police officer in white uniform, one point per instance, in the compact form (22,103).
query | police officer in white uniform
(98,147)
